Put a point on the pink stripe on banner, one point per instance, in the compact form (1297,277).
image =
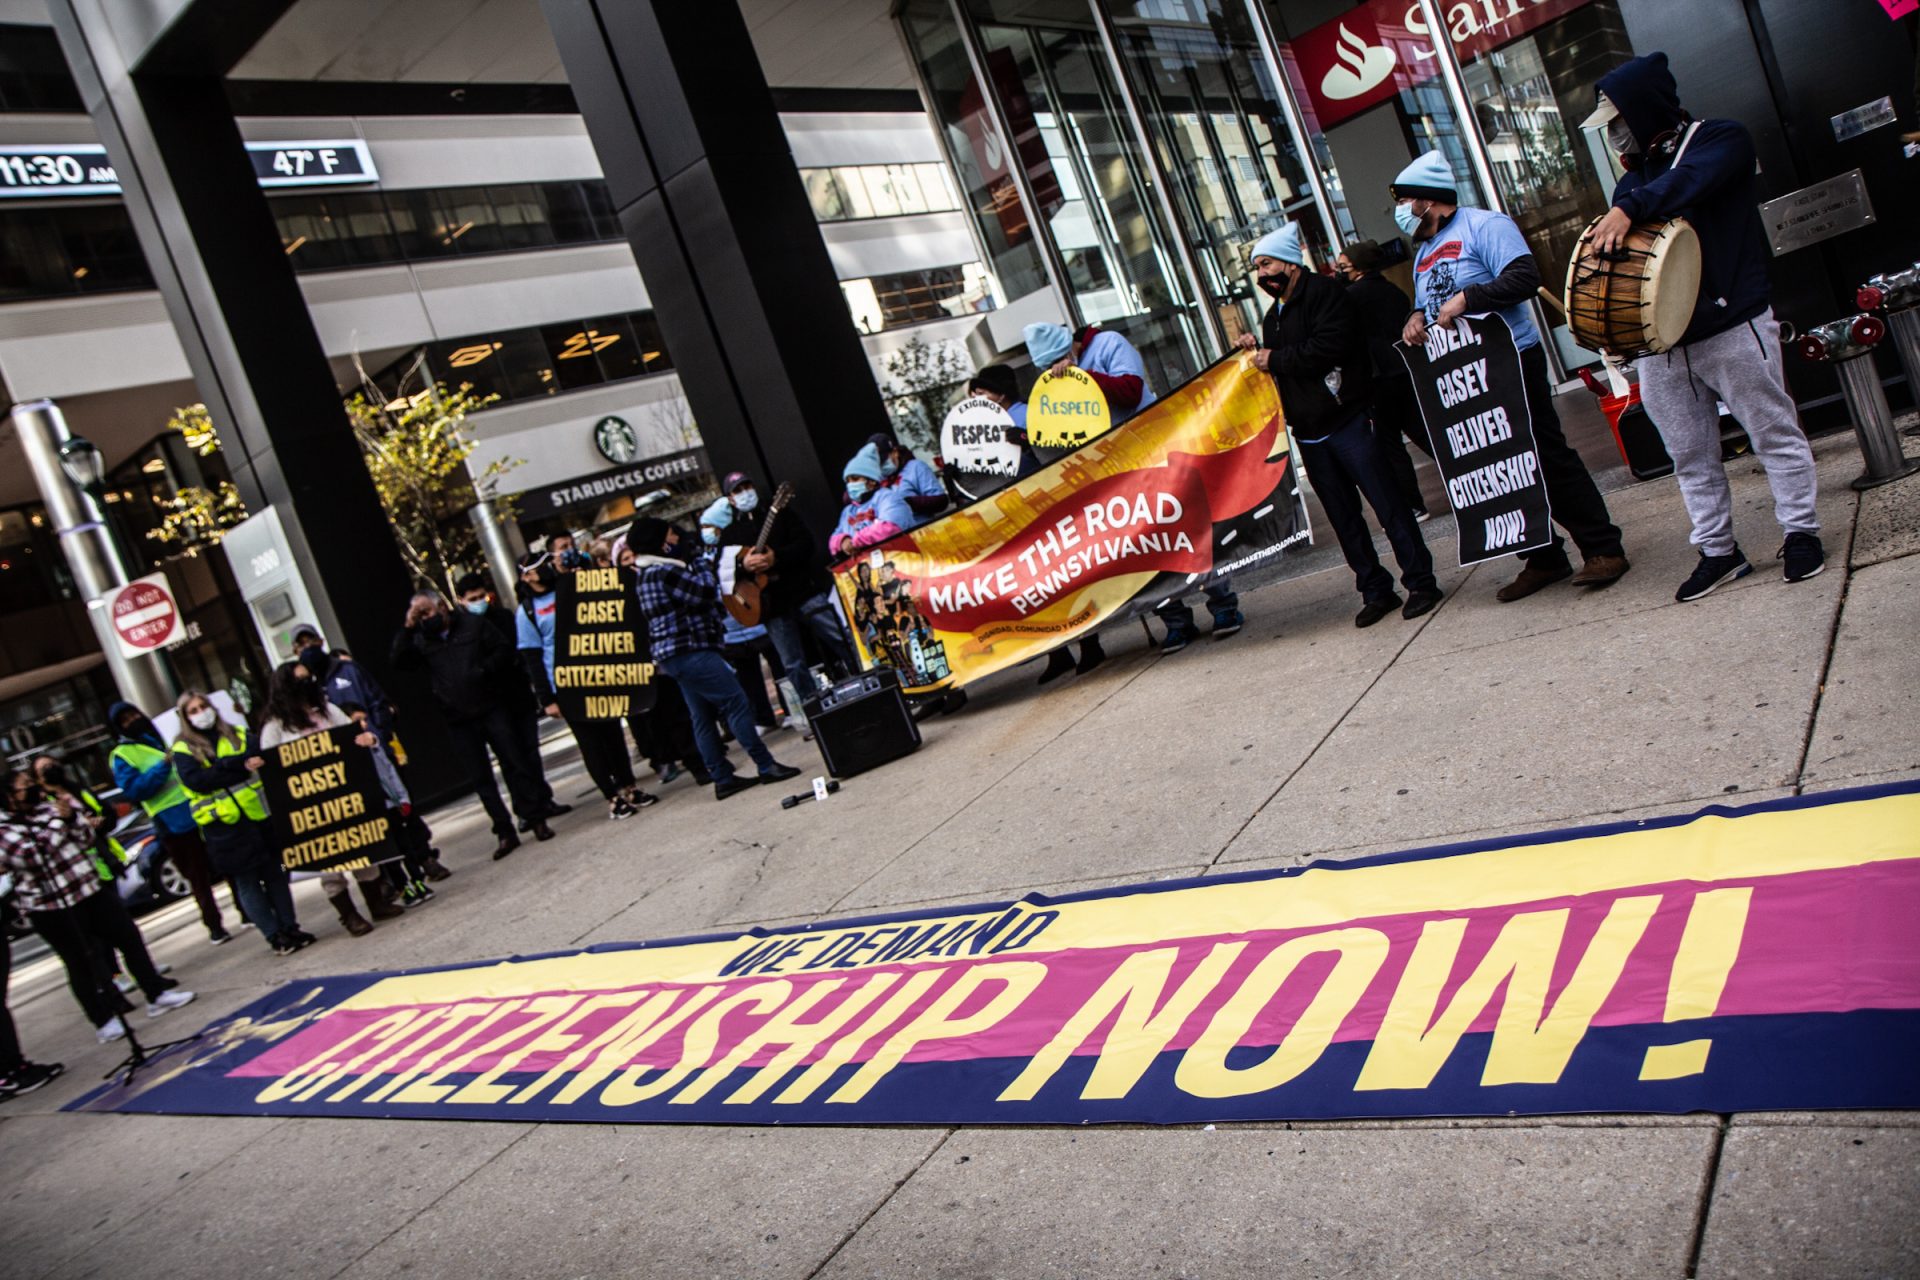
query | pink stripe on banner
(1824,941)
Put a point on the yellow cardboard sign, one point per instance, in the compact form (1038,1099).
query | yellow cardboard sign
(1067,409)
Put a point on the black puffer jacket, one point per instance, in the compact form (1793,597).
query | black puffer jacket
(469,665)
(1315,333)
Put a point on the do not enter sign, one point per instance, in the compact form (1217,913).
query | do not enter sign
(144,615)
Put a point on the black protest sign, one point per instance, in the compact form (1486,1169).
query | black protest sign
(326,804)
(600,667)
(1474,403)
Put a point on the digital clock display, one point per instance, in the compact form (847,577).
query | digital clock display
(82,169)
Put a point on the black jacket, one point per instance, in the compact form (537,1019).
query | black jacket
(1383,310)
(800,570)
(470,666)
(1713,187)
(1316,332)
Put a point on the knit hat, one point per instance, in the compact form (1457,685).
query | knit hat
(719,514)
(1427,178)
(867,462)
(1281,244)
(998,379)
(1047,344)
(1364,255)
(647,535)
(734,480)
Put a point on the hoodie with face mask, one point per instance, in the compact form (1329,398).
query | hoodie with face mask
(1712,187)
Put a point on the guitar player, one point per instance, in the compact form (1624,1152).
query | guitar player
(797,599)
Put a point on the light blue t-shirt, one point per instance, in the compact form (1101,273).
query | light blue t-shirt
(1111,354)
(537,632)
(1474,247)
(918,480)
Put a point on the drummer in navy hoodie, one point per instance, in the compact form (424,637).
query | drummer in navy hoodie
(1703,171)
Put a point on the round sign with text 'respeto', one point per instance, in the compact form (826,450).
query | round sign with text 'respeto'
(1066,410)
(144,615)
(973,439)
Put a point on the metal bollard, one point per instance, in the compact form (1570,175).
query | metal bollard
(1897,293)
(1849,345)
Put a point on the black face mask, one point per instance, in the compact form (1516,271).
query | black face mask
(1275,286)
(138,728)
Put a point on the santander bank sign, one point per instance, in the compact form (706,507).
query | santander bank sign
(1376,50)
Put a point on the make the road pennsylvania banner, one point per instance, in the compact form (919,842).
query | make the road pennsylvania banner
(1738,959)
(1196,487)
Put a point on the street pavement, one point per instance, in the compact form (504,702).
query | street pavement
(1300,738)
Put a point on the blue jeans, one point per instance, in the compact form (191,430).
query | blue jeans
(712,691)
(243,853)
(1344,466)
(788,633)
(1222,602)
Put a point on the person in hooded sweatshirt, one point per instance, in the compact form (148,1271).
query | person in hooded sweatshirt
(1703,171)
(1469,261)
(143,770)
(917,482)
(1313,346)
(874,511)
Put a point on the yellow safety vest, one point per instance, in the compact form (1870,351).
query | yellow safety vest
(114,849)
(140,757)
(228,804)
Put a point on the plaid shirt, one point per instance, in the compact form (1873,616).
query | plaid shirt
(681,602)
(47,855)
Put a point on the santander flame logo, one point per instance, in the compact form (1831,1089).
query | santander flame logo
(1361,66)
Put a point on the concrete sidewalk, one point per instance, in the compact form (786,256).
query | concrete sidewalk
(1300,738)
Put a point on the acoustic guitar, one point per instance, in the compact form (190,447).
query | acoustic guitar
(744,601)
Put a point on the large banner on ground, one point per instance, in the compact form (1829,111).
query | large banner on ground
(1197,487)
(1474,404)
(1737,959)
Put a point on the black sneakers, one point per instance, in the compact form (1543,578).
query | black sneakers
(1420,602)
(27,1077)
(1374,610)
(1713,572)
(1803,556)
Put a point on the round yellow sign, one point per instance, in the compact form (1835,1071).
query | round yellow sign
(1066,410)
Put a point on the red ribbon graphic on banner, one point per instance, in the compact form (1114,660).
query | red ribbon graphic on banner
(1158,519)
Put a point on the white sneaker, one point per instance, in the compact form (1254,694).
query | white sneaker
(168,1000)
(111,1030)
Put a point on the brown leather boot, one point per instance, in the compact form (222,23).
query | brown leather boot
(350,920)
(380,899)
(436,869)
(1530,581)
(1601,571)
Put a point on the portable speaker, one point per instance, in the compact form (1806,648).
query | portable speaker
(862,723)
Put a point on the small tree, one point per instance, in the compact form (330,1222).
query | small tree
(921,380)
(416,449)
(197,516)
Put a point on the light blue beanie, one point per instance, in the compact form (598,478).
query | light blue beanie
(865,463)
(1282,244)
(719,515)
(1429,177)
(1047,344)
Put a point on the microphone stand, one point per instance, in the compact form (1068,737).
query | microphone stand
(139,1055)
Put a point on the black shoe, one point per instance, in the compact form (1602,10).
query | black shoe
(283,945)
(27,1077)
(779,773)
(1419,602)
(300,937)
(701,778)
(1803,555)
(1059,663)
(508,843)
(1091,655)
(1713,572)
(641,799)
(1177,639)
(541,831)
(220,939)
(1374,610)
(734,786)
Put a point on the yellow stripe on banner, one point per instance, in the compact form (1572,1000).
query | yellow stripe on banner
(1706,850)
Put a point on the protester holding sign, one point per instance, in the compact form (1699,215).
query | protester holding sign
(219,766)
(603,745)
(1472,261)
(143,770)
(679,592)
(295,709)
(1312,344)
(998,383)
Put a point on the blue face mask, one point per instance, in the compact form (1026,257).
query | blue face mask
(859,490)
(889,468)
(709,535)
(1406,219)
(476,606)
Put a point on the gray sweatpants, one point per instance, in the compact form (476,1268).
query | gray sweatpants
(1742,367)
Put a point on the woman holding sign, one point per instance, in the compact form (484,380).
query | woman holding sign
(295,708)
(217,765)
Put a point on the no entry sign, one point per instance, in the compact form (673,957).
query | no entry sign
(144,615)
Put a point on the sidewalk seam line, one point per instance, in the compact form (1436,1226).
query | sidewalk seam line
(885,1200)
(1709,1184)
(1826,662)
